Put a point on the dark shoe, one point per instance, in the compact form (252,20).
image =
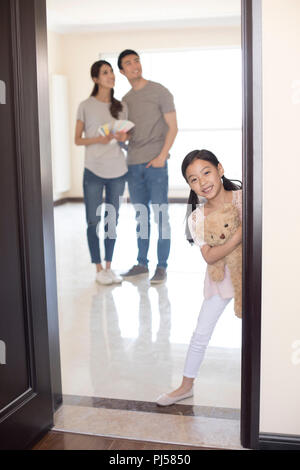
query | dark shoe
(136,270)
(160,276)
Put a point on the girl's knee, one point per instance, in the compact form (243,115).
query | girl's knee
(199,341)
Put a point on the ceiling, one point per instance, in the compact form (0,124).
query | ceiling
(69,16)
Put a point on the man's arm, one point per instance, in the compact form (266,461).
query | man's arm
(171,121)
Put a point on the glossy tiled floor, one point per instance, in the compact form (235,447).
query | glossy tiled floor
(129,342)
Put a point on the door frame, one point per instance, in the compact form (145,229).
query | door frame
(30,413)
(35,149)
(252,236)
(251,14)
(252,220)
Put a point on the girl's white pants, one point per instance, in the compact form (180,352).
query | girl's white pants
(210,313)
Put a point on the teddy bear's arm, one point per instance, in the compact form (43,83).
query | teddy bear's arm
(212,254)
(216,271)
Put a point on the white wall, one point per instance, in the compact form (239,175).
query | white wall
(55,67)
(280,355)
(60,128)
(73,54)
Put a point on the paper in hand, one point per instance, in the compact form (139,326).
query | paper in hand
(120,125)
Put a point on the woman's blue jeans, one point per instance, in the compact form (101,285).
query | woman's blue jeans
(150,185)
(93,187)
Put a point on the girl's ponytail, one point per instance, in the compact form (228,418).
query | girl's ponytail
(229,185)
(192,204)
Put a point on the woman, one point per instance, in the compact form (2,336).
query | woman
(105,165)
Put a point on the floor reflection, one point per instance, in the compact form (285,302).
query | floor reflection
(126,345)
(129,341)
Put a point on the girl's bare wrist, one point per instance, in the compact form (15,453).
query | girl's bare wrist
(237,238)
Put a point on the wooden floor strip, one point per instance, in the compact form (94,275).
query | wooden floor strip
(56,440)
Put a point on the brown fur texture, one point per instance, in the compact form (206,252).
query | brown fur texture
(219,226)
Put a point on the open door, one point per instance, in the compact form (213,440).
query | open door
(29,349)
(30,387)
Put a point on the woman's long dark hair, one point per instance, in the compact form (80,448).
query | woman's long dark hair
(116,106)
(193,200)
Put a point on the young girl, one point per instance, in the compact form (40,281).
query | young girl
(105,165)
(205,176)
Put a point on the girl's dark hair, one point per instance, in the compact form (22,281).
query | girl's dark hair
(193,200)
(116,106)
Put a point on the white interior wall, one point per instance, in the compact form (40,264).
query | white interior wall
(60,142)
(55,67)
(73,54)
(280,355)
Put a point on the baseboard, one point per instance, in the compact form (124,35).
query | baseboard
(65,200)
(278,442)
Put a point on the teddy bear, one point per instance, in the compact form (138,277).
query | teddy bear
(219,226)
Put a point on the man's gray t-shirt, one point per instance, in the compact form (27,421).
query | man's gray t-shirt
(105,160)
(146,109)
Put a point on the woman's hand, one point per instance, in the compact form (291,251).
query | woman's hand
(99,139)
(121,136)
(105,140)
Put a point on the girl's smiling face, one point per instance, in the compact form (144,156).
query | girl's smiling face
(204,178)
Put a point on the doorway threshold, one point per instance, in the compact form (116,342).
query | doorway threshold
(144,421)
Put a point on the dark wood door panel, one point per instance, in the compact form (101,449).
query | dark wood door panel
(12,293)
(26,408)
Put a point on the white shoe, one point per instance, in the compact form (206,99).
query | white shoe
(103,277)
(166,400)
(115,279)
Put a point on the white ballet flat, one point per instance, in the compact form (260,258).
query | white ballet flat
(166,400)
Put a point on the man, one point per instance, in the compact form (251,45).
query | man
(151,108)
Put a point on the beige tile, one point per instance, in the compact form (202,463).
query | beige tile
(184,430)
